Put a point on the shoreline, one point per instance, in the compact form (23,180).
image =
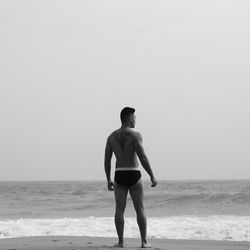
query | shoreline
(102,243)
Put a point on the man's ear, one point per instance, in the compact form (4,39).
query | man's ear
(130,121)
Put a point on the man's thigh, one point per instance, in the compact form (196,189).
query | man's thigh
(120,196)
(137,195)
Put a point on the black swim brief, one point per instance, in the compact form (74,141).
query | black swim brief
(128,177)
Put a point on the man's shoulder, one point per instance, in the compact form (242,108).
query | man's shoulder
(133,133)
(136,135)
(113,134)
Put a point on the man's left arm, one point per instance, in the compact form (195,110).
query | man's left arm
(107,164)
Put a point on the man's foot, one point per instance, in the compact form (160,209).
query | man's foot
(119,245)
(145,245)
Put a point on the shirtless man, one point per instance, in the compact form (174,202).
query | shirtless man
(127,145)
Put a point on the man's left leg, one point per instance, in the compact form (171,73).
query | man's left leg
(120,200)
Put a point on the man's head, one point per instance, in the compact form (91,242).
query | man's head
(128,116)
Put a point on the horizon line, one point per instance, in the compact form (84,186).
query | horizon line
(147,180)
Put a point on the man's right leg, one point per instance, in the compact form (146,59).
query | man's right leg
(137,195)
(120,200)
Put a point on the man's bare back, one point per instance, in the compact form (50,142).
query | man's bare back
(123,142)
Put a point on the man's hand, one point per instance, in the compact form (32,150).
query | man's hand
(110,185)
(154,182)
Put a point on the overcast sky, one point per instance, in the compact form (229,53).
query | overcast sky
(67,68)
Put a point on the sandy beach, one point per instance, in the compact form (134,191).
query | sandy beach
(99,243)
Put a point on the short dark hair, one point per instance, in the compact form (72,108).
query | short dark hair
(125,113)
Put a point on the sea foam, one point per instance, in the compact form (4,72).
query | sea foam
(233,228)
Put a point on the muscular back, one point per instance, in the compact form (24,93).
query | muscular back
(122,143)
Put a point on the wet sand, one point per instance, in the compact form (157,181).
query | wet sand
(99,243)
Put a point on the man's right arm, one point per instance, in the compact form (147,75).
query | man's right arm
(143,158)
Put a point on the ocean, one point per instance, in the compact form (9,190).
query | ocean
(203,210)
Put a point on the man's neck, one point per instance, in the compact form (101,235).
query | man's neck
(125,126)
